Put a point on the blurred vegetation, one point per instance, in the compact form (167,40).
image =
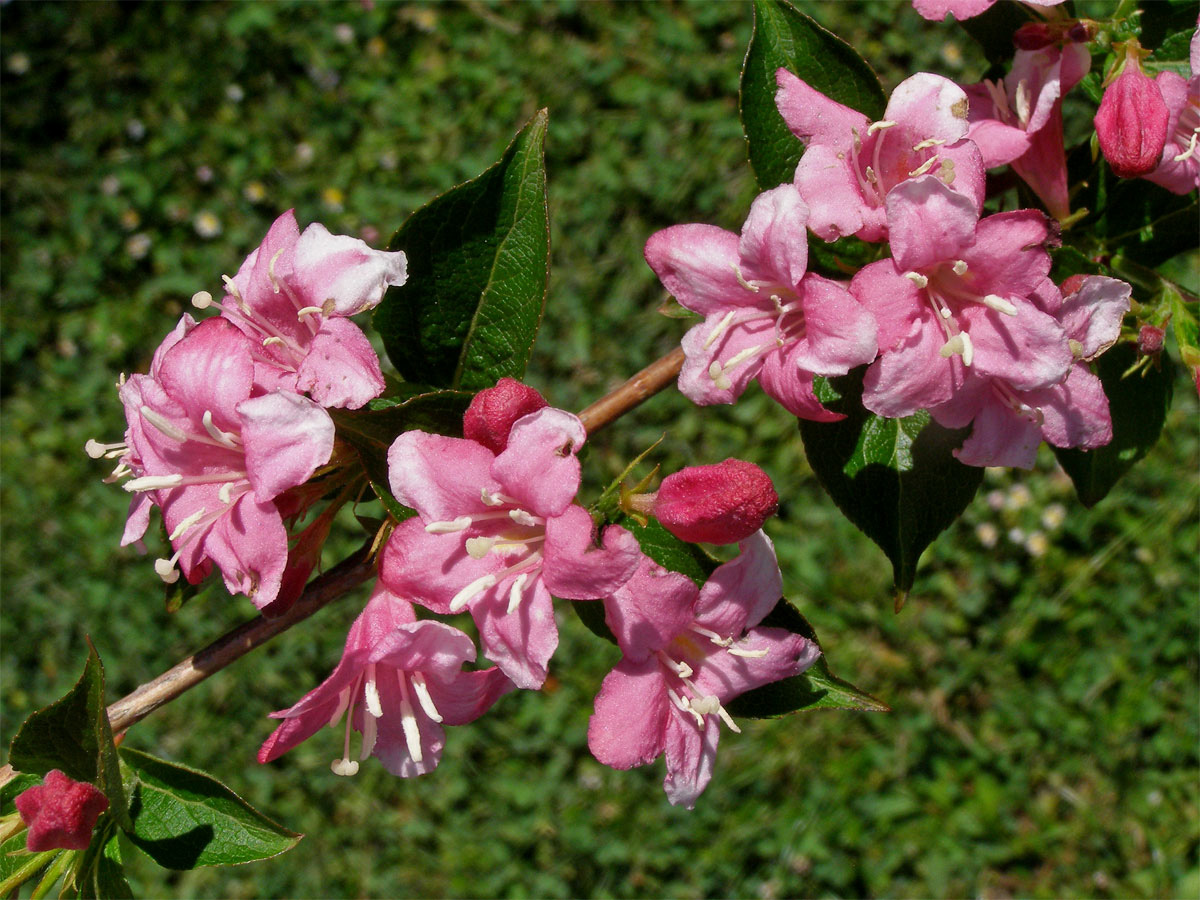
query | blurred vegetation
(1043,677)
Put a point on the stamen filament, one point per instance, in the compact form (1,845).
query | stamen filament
(421,689)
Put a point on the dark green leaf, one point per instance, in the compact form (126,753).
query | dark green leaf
(994,30)
(478,267)
(896,479)
(18,865)
(670,552)
(1068,261)
(100,873)
(1138,404)
(18,785)
(183,818)
(1167,27)
(1148,224)
(591,613)
(843,257)
(784,37)
(815,688)
(73,736)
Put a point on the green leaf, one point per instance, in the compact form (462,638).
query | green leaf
(371,431)
(478,268)
(669,551)
(1167,27)
(18,865)
(18,785)
(1146,223)
(591,613)
(73,735)
(896,479)
(993,30)
(783,37)
(1138,404)
(815,688)
(100,873)
(183,818)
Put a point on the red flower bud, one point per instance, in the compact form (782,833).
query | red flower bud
(1132,121)
(492,412)
(1150,340)
(719,504)
(1036,35)
(60,812)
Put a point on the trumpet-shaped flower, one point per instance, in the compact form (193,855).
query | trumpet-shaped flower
(292,295)
(764,316)
(398,682)
(959,294)
(851,163)
(499,534)
(1009,424)
(212,452)
(687,653)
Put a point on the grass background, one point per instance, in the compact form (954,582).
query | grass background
(1043,678)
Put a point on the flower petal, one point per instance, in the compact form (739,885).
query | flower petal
(341,368)
(696,265)
(575,568)
(286,437)
(691,754)
(520,642)
(629,724)
(740,592)
(538,468)
(774,242)
(928,222)
(650,609)
(440,477)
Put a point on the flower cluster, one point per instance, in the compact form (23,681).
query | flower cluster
(961,317)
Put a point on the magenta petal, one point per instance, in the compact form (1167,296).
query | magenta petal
(726,675)
(210,370)
(538,468)
(912,375)
(521,642)
(138,518)
(740,592)
(1009,257)
(1029,350)
(792,388)
(1092,315)
(272,257)
(774,242)
(628,727)
(928,222)
(341,368)
(249,546)
(998,143)
(830,188)
(931,106)
(650,609)
(970,174)
(690,756)
(468,695)
(695,264)
(1000,437)
(840,333)
(429,569)
(893,301)
(440,477)
(1074,413)
(424,646)
(575,568)
(286,437)
(696,381)
(814,118)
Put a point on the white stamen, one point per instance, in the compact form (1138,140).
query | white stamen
(340,709)
(344,767)
(748,654)
(944,312)
(271,269)
(370,730)
(308,311)
(999,304)
(408,721)
(118,473)
(718,376)
(748,285)
(917,278)
(706,706)
(713,636)
(927,143)
(946,172)
(521,517)
(738,358)
(1075,347)
(187,523)
(871,176)
(720,329)
(226,438)
(683,704)
(494,498)
(153,483)
(1191,150)
(225,494)
(960,267)
(479,547)
(450,527)
(923,167)
(727,719)
(879,126)
(952,346)
(273,340)
(1022,102)
(202,299)
(463,597)
(968,351)
(422,691)
(163,424)
(166,570)
(514,593)
(232,288)
(371,693)
(95,449)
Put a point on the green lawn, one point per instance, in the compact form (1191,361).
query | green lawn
(1045,723)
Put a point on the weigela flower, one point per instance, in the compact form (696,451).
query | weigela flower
(936,10)
(398,682)
(719,504)
(212,450)
(850,163)
(1019,120)
(494,411)
(1009,424)
(959,293)
(1131,123)
(292,295)
(688,652)
(1179,169)
(764,316)
(60,812)
(498,534)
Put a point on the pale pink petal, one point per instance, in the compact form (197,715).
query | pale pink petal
(814,118)
(440,477)
(928,222)
(1092,315)
(935,10)
(839,332)
(629,724)
(931,106)
(575,568)
(696,381)
(424,646)
(1044,166)
(969,177)
(727,675)
(538,468)
(739,593)
(893,301)
(774,241)
(137,519)
(1001,437)
(210,370)
(650,609)
(829,187)
(1009,257)
(430,569)
(690,755)
(999,144)
(341,274)
(1075,413)
(792,388)
(913,375)
(341,368)
(1029,350)
(249,546)
(286,438)
(520,642)
(468,695)
(696,265)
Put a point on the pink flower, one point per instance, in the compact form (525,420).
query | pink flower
(213,451)
(1019,121)
(60,812)
(1132,121)
(688,652)
(850,163)
(764,317)
(398,682)
(959,293)
(291,296)
(719,504)
(936,10)
(1179,168)
(1009,424)
(495,410)
(499,534)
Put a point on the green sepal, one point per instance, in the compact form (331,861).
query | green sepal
(478,270)
(100,872)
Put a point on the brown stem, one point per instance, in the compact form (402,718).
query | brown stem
(348,574)
(642,386)
(231,646)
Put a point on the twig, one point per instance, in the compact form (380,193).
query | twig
(642,386)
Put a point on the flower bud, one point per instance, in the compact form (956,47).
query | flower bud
(1131,123)
(60,812)
(1150,340)
(719,504)
(492,412)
